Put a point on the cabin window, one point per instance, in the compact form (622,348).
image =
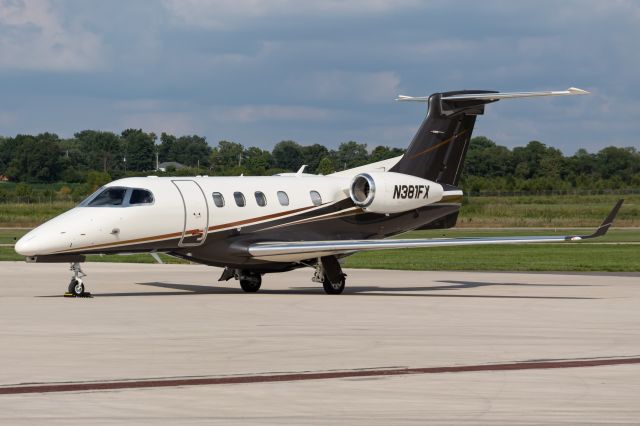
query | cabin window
(261,199)
(109,197)
(218,199)
(283,198)
(316,199)
(239,197)
(141,196)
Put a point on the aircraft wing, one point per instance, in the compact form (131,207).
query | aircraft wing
(291,251)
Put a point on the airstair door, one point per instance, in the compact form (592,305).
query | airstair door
(196,213)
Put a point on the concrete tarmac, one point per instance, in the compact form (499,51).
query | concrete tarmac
(170,344)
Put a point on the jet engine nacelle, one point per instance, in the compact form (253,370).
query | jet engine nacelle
(389,192)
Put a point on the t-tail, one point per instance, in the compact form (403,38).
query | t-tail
(438,149)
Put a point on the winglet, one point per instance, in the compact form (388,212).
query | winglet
(606,224)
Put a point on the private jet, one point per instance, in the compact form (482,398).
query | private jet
(251,226)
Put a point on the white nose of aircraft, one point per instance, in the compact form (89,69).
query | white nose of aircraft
(41,241)
(53,236)
(28,244)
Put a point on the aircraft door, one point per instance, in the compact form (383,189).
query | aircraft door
(196,213)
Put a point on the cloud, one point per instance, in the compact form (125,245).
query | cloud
(255,113)
(227,14)
(8,118)
(369,87)
(32,37)
(318,71)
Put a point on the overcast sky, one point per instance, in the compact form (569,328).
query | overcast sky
(257,72)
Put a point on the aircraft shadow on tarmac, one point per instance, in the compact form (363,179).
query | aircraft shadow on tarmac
(354,290)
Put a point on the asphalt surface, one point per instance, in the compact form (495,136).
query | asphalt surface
(169,344)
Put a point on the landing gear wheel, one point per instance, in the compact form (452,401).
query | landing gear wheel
(76,287)
(333,288)
(251,283)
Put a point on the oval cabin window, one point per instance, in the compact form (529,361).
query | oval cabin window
(283,198)
(316,199)
(239,197)
(218,199)
(260,198)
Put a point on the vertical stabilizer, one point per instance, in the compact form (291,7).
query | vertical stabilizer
(438,149)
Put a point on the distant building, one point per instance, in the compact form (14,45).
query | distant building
(170,165)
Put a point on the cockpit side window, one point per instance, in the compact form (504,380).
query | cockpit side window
(109,197)
(141,196)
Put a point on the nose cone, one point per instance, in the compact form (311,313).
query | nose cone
(29,245)
(49,237)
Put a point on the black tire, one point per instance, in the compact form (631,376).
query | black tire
(336,288)
(76,287)
(251,283)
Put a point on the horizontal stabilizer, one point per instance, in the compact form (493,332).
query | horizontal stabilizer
(496,96)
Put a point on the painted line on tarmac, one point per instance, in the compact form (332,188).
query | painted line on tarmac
(322,375)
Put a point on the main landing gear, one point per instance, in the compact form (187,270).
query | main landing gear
(76,285)
(249,281)
(329,273)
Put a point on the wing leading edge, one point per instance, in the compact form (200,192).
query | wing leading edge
(292,251)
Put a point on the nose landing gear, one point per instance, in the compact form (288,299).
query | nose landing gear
(76,285)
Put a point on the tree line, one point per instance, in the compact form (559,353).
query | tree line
(93,157)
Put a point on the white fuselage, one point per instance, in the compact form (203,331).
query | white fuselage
(179,204)
(166,213)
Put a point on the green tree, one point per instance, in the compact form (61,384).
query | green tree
(101,150)
(139,150)
(35,158)
(380,153)
(188,150)
(225,156)
(537,160)
(96,179)
(312,154)
(325,167)
(287,155)
(4,158)
(622,162)
(485,158)
(352,154)
(257,161)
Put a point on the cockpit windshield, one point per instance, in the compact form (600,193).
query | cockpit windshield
(109,197)
(118,197)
